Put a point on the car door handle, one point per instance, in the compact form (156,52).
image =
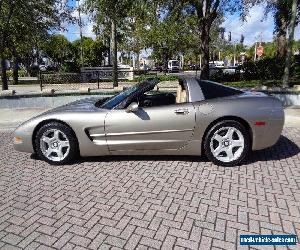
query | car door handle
(181,111)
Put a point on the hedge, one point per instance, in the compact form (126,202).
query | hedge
(263,70)
(22,73)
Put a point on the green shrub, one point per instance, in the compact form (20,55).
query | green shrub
(60,78)
(34,71)
(264,69)
(253,83)
(168,77)
(22,73)
(69,67)
(295,68)
(268,71)
(140,72)
(160,77)
(244,84)
(220,76)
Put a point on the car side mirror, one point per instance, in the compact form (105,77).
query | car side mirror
(133,107)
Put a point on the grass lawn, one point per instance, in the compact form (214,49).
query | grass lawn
(244,84)
(257,83)
(160,77)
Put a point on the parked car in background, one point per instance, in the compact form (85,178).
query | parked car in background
(218,64)
(194,67)
(43,67)
(231,70)
(145,67)
(173,66)
(122,66)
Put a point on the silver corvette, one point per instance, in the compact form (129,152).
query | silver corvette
(201,117)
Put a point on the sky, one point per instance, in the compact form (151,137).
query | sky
(72,31)
(256,27)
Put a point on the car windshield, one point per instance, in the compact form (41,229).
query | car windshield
(175,63)
(118,98)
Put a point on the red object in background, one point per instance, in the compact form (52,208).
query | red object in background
(260,51)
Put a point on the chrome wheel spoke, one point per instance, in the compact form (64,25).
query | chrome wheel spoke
(64,144)
(237,143)
(229,133)
(49,152)
(46,140)
(56,134)
(60,154)
(218,150)
(229,154)
(218,138)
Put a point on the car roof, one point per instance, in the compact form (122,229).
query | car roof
(191,84)
(199,89)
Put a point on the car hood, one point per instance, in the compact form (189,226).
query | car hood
(83,105)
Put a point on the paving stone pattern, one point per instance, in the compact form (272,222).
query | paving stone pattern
(148,202)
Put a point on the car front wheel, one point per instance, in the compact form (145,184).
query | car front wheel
(56,143)
(227,143)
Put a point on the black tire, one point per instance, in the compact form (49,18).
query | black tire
(73,151)
(243,153)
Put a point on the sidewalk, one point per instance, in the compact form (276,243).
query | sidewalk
(11,118)
(292,116)
(25,89)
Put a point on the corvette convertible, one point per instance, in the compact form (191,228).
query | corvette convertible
(200,117)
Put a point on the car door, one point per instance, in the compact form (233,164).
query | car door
(150,128)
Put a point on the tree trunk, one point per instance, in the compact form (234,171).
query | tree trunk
(205,62)
(137,60)
(166,57)
(4,75)
(204,50)
(16,68)
(26,63)
(291,30)
(281,28)
(281,44)
(109,51)
(16,73)
(114,52)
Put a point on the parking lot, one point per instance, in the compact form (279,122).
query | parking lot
(148,202)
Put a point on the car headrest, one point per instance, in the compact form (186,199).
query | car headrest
(178,94)
(183,96)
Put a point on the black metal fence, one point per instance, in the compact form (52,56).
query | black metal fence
(94,80)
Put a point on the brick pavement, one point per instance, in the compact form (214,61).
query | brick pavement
(148,202)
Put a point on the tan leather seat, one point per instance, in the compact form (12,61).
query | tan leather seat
(178,94)
(183,96)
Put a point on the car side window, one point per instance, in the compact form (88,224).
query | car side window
(157,98)
(163,98)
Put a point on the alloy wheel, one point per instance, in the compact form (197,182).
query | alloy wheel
(227,144)
(54,145)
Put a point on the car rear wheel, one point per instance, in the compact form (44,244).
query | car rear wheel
(56,143)
(227,143)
